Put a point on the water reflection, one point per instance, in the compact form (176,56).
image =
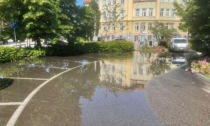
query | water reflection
(134,70)
(5,82)
(126,72)
(112,86)
(178,58)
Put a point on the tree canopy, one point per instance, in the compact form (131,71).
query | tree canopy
(196,19)
(161,32)
(45,19)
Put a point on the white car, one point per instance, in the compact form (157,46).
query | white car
(179,44)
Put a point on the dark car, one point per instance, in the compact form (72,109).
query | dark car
(119,39)
(3,42)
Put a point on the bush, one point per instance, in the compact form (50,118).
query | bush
(90,47)
(202,66)
(165,44)
(8,54)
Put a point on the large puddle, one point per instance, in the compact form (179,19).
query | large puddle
(105,90)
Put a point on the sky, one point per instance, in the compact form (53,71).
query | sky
(80,2)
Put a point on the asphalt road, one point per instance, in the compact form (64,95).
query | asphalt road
(179,98)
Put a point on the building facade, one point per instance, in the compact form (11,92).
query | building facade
(133,19)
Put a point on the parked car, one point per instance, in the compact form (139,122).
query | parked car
(3,42)
(178,58)
(179,44)
(119,39)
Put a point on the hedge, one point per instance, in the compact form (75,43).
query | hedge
(91,47)
(8,54)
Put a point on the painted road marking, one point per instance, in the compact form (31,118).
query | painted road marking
(206,90)
(19,110)
(9,103)
(21,78)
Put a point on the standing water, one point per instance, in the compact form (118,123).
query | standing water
(88,90)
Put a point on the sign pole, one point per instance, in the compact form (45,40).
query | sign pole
(15,36)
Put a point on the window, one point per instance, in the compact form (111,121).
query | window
(104,15)
(113,15)
(168,1)
(122,14)
(137,12)
(167,25)
(172,26)
(149,37)
(109,2)
(173,13)
(150,26)
(136,38)
(121,26)
(108,27)
(161,0)
(136,26)
(114,2)
(104,27)
(151,12)
(113,27)
(143,26)
(113,39)
(161,12)
(120,68)
(144,11)
(104,3)
(134,70)
(167,12)
(122,1)
(141,70)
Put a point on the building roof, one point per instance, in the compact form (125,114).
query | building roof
(87,1)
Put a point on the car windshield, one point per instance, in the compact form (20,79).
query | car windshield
(180,41)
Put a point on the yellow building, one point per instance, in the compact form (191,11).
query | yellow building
(139,17)
(128,72)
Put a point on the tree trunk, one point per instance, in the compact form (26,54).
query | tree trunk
(38,43)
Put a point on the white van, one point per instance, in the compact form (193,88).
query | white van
(179,44)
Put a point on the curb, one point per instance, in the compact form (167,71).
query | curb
(206,79)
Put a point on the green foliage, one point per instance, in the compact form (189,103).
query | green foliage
(115,46)
(97,15)
(8,54)
(196,18)
(165,44)
(49,20)
(91,47)
(161,32)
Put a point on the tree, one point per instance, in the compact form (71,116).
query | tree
(196,18)
(42,20)
(46,19)
(80,18)
(83,23)
(113,16)
(97,15)
(161,32)
(10,12)
(69,19)
(37,19)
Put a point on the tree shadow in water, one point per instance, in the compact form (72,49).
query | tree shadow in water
(5,82)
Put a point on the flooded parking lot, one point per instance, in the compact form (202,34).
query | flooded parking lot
(86,90)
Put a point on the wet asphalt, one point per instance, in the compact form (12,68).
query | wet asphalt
(178,99)
(87,93)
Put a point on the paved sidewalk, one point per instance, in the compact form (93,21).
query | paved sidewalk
(179,99)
